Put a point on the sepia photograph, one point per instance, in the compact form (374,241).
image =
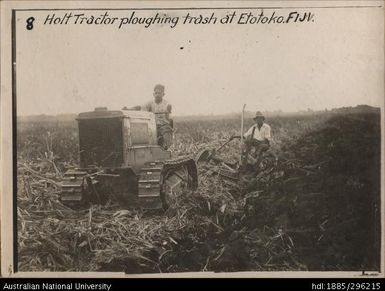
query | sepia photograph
(206,137)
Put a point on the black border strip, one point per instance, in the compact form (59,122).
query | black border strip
(14,102)
(14,143)
(203,8)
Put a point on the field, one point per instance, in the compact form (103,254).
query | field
(315,207)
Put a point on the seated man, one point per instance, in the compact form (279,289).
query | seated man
(258,137)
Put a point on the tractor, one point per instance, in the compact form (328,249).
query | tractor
(120,157)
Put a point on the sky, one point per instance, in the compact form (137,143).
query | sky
(335,61)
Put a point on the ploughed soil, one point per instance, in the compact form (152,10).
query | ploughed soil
(313,205)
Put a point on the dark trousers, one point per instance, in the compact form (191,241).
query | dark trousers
(252,151)
(164,135)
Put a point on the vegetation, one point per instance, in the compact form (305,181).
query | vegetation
(316,207)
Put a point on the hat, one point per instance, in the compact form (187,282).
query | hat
(258,114)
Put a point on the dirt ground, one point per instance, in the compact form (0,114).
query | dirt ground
(313,206)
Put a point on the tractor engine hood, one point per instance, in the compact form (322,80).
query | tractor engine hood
(103,112)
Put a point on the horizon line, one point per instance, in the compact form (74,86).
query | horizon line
(221,114)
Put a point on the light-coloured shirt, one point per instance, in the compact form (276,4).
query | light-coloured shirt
(161,110)
(260,134)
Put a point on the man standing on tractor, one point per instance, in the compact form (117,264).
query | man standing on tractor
(162,110)
(258,137)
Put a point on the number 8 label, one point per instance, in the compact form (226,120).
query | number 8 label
(30,21)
